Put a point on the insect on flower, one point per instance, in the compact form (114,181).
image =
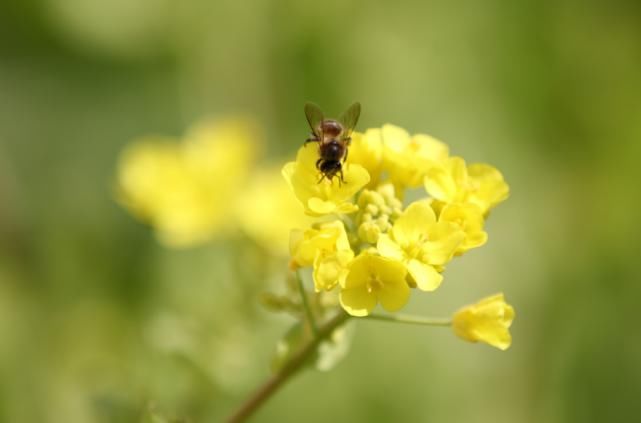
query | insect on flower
(333,138)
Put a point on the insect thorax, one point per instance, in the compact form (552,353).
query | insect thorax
(332,128)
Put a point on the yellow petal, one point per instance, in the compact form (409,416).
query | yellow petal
(144,169)
(406,159)
(395,138)
(358,273)
(329,238)
(473,240)
(444,239)
(388,248)
(429,148)
(299,183)
(266,196)
(415,222)
(346,208)
(458,170)
(490,190)
(470,220)
(318,207)
(393,296)
(328,271)
(425,276)
(357,301)
(389,271)
(356,177)
(367,150)
(440,184)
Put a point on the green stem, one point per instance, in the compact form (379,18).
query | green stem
(308,311)
(265,391)
(413,320)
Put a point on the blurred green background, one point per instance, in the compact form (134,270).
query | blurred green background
(99,323)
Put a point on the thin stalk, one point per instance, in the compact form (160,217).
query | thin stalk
(265,391)
(413,320)
(308,311)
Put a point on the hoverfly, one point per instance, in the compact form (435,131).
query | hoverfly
(333,138)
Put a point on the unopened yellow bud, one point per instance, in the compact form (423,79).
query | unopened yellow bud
(379,209)
(369,232)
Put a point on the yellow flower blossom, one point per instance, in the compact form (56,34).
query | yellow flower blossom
(326,248)
(421,243)
(268,210)
(324,197)
(183,189)
(372,279)
(469,219)
(407,158)
(145,169)
(454,182)
(366,149)
(486,321)
(375,251)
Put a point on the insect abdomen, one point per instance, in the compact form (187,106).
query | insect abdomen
(332,151)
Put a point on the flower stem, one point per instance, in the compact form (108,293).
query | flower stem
(265,391)
(413,320)
(308,311)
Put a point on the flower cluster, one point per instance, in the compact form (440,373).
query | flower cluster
(206,184)
(374,246)
(182,186)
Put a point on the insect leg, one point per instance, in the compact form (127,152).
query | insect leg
(346,153)
(318,163)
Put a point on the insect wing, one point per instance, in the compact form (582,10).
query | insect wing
(349,119)
(314,117)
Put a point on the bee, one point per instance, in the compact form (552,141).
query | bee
(333,138)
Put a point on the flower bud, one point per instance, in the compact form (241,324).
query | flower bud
(379,209)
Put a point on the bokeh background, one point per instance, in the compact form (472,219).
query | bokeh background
(100,323)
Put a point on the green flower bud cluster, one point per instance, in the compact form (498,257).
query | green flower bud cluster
(378,209)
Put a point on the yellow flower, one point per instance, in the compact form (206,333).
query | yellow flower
(469,219)
(367,150)
(184,189)
(454,182)
(325,197)
(407,158)
(146,167)
(486,321)
(372,279)
(326,248)
(490,188)
(268,210)
(422,244)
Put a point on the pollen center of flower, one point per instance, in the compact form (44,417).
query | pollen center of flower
(472,185)
(374,285)
(415,249)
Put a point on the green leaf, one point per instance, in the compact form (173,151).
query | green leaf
(153,416)
(287,346)
(328,354)
(335,348)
